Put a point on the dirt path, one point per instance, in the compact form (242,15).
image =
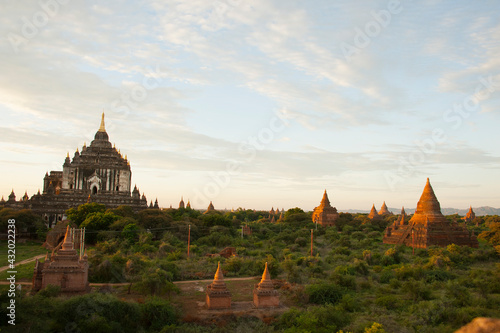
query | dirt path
(225,279)
(4,268)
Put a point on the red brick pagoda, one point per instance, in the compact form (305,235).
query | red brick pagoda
(264,294)
(428,226)
(218,297)
(325,214)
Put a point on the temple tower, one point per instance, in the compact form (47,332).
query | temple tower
(470,216)
(384,211)
(325,214)
(374,214)
(210,208)
(428,226)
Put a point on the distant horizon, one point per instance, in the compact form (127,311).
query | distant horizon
(259,104)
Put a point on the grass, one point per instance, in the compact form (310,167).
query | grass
(24,272)
(23,251)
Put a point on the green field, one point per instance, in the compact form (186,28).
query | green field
(23,251)
(24,272)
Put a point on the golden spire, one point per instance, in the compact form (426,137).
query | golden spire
(218,275)
(67,243)
(102,128)
(265,276)
(67,154)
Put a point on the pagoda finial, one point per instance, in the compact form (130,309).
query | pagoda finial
(67,243)
(218,275)
(265,276)
(67,154)
(102,128)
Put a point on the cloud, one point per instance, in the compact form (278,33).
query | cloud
(148,65)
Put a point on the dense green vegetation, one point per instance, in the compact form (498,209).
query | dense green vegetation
(352,282)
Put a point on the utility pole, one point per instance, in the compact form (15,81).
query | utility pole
(311,242)
(189,238)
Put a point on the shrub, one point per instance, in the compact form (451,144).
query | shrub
(407,272)
(417,290)
(387,275)
(50,291)
(320,319)
(437,275)
(389,302)
(324,293)
(457,294)
(346,281)
(98,313)
(157,313)
(301,241)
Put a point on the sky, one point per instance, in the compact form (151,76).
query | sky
(259,103)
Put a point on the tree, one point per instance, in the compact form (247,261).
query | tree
(99,221)
(375,328)
(79,214)
(292,211)
(131,232)
(157,313)
(157,281)
(154,218)
(96,222)
(492,235)
(124,211)
(26,220)
(214,218)
(324,293)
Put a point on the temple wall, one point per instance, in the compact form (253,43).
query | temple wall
(218,302)
(265,301)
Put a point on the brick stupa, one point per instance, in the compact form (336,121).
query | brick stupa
(470,216)
(65,269)
(384,211)
(402,218)
(209,208)
(428,226)
(264,294)
(218,297)
(374,214)
(325,214)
